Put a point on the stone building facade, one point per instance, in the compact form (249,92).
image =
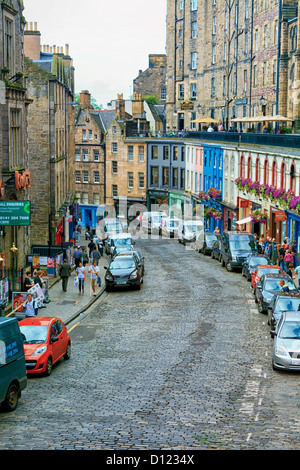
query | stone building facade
(228,60)
(152,81)
(126,157)
(89,155)
(51,137)
(14,159)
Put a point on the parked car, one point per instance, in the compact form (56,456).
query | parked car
(169,226)
(123,249)
(13,378)
(285,301)
(286,348)
(46,341)
(236,247)
(268,286)
(121,239)
(108,227)
(190,230)
(251,263)
(124,270)
(134,252)
(216,250)
(205,241)
(263,269)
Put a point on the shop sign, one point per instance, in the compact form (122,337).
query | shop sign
(22,180)
(280,216)
(244,204)
(186,105)
(15,213)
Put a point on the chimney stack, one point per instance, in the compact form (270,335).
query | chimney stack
(120,108)
(32,42)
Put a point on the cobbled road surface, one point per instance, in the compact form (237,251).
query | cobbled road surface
(185,363)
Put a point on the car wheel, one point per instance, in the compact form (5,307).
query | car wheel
(48,367)
(260,307)
(68,352)
(12,398)
(228,267)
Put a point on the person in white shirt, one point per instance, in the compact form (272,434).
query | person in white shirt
(210,129)
(95,273)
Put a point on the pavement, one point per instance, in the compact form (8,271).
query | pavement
(69,305)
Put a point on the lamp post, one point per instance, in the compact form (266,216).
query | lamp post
(14,251)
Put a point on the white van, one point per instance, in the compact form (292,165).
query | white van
(169,226)
(151,221)
(190,230)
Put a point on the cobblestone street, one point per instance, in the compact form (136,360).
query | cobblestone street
(185,363)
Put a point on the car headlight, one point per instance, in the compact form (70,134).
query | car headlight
(234,257)
(109,277)
(39,351)
(281,352)
(266,298)
(133,275)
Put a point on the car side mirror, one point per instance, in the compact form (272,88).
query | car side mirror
(273,333)
(258,286)
(105,267)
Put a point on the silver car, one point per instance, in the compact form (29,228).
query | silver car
(286,350)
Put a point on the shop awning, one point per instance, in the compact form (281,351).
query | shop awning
(276,118)
(204,120)
(244,221)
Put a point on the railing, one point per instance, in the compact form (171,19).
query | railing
(272,140)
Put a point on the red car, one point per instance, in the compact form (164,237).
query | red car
(46,341)
(263,269)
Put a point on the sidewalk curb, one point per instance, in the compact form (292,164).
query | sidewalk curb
(86,307)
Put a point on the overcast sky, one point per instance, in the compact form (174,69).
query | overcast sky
(110,41)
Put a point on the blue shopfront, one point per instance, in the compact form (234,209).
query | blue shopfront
(90,214)
(293,228)
(213,178)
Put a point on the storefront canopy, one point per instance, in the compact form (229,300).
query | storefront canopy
(205,120)
(276,118)
(244,221)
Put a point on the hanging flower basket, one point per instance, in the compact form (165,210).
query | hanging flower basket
(210,212)
(259,217)
(214,193)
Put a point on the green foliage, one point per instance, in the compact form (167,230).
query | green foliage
(151,99)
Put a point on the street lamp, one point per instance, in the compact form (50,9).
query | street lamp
(14,251)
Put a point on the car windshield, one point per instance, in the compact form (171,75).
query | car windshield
(262,271)
(290,330)
(273,284)
(122,241)
(121,249)
(211,238)
(34,334)
(193,228)
(242,244)
(257,261)
(122,264)
(113,228)
(288,304)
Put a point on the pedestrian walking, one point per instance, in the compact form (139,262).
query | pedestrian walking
(77,256)
(80,275)
(84,257)
(274,252)
(281,254)
(95,256)
(91,247)
(95,273)
(65,272)
(31,308)
(288,259)
(28,283)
